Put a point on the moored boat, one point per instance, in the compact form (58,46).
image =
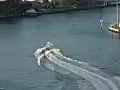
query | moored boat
(116,27)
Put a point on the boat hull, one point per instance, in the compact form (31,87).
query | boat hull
(114,29)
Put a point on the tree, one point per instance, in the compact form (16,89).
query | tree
(69,2)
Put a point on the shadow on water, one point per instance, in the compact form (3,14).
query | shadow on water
(6,20)
(115,35)
(119,36)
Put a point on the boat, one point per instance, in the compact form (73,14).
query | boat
(116,27)
(41,52)
(31,13)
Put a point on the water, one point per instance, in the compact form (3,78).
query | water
(77,34)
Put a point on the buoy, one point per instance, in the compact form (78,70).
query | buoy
(101,23)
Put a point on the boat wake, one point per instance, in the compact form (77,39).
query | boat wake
(84,70)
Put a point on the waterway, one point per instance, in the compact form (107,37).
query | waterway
(76,33)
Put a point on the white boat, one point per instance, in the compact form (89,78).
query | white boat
(41,52)
(67,66)
(31,12)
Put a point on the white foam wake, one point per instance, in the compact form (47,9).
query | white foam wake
(98,81)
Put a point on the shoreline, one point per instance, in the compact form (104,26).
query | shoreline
(57,10)
(60,10)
